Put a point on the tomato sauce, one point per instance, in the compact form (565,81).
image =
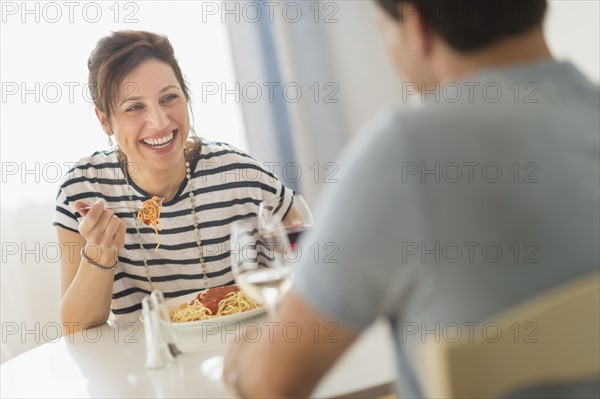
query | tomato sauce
(213,296)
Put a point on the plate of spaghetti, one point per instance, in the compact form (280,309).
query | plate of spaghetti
(216,305)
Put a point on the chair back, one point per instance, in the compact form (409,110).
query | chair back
(553,338)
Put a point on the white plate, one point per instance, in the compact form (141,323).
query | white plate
(215,322)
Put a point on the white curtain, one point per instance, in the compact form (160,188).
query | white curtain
(332,51)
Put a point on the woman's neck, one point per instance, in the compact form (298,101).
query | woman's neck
(160,183)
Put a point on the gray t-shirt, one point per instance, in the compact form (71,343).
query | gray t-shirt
(482,198)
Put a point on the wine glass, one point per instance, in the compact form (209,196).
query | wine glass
(298,220)
(258,260)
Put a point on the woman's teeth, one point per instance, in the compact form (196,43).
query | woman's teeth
(160,142)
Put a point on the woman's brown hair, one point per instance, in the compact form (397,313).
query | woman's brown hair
(116,55)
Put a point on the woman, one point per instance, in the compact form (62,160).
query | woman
(114,260)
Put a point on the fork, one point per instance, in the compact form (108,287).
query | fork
(127,208)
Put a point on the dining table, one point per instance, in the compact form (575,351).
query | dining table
(110,361)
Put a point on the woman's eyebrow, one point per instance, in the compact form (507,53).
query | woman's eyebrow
(137,98)
(168,87)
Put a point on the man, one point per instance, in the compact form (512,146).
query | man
(483,198)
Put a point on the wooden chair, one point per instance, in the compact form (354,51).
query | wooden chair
(383,391)
(558,342)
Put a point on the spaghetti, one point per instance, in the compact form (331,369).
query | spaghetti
(216,302)
(150,213)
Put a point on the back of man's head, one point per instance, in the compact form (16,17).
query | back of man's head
(470,25)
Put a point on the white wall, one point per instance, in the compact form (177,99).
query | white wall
(340,49)
(368,82)
(360,63)
(573,30)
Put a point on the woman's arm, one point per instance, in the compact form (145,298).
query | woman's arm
(86,291)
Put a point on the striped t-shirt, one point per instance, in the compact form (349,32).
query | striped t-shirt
(228,185)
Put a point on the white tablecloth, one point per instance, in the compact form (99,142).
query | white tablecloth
(108,361)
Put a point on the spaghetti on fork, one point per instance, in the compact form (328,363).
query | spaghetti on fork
(149,214)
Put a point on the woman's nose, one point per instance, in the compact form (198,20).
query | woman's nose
(157,117)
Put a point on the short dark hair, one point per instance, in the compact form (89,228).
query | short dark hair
(469,25)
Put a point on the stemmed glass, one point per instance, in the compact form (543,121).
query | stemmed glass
(298,220)
(258,262)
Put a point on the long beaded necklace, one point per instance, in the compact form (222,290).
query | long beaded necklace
(188,172)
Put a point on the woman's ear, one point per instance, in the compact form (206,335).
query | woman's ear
(103,121)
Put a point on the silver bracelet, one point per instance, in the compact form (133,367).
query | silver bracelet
(94,264)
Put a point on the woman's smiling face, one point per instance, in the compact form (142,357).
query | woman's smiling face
(150,119)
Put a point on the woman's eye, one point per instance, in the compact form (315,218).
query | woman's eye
(133,108)
(169,98)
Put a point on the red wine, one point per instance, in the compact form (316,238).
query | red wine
(295,232)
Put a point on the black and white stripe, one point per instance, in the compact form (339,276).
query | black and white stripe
(228,185)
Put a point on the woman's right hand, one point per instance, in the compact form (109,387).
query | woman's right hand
(103,231)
